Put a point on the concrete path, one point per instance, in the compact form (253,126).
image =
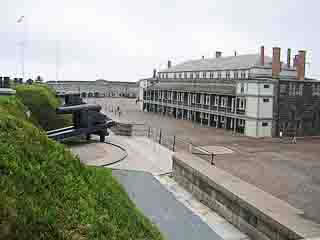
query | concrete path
(174,220)
(98,154)
(143,155)
(217,223)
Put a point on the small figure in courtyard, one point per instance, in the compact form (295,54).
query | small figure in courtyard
(294,139)
(280,134)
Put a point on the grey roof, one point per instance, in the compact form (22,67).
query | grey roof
(221,63)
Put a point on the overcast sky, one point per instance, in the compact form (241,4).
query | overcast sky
(124,40)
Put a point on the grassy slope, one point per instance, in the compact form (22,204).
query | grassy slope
(41,101)
(45,193)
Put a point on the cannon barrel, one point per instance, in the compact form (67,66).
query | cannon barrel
(77,108)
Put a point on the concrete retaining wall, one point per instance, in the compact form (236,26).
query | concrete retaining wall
(253,211)
(122,129)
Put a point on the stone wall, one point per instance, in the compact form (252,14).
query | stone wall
(254,212)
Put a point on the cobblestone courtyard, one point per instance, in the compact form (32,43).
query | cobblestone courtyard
(290,172)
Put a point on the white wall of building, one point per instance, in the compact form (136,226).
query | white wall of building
(257,107)
(254,128)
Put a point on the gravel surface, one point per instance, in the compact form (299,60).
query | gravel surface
(290,172)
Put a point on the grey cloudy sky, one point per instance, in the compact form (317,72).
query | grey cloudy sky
(124,40)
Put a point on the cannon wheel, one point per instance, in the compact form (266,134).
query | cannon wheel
(88,137)
(102,137)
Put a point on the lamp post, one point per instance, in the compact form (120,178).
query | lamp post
(23,44)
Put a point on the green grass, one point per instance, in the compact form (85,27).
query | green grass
(42,103)
(46,193)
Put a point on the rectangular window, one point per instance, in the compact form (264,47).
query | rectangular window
(204,75)
(185,75)
(211,75)
(191,75)
(202,99)
(197,75)
(194,97)
(174,76)
(241,122)
(222,119)
(219,75)
(227,75)
(266,86)
(235,74)
(264,124)
(216,100)
(215,118)
(180,75)
(223,101)
(207,99)
(266,100)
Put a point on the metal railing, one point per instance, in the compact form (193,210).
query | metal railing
(173,142)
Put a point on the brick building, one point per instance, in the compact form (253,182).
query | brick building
(256,95)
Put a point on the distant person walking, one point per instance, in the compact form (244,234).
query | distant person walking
(294,139)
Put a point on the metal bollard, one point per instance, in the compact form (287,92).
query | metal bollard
(212,156)
(160,135)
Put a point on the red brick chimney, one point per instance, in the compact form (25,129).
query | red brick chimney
(301,65)
(262,55)
(289,58)
(276,64)
(218,54)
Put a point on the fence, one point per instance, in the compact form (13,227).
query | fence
(172,142)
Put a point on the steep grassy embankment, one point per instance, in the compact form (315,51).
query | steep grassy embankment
(41,101)
(46,193)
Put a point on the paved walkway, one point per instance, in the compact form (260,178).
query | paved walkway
(97,154)
(217,223)
(143,155)
(174,220)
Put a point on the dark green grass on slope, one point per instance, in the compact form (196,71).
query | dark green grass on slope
(42,103)
(46,193)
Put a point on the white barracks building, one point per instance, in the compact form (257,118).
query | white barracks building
(238,93)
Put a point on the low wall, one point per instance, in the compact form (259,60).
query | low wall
(251,210)
(122,129)
(7,91)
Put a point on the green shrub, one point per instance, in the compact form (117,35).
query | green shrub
(42,103)
(46,193)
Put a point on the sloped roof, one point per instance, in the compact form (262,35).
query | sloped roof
(221,63)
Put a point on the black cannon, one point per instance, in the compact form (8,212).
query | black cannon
(87,120)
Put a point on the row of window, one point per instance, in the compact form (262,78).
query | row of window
(205,99)
(296,89)
(206,75)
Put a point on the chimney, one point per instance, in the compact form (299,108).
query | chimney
(289,58)
(218,54)
(154,73)
(276,64)
(301,67)
(235,53)
(202,57)
(169,64)
(295,61)
(262,55)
